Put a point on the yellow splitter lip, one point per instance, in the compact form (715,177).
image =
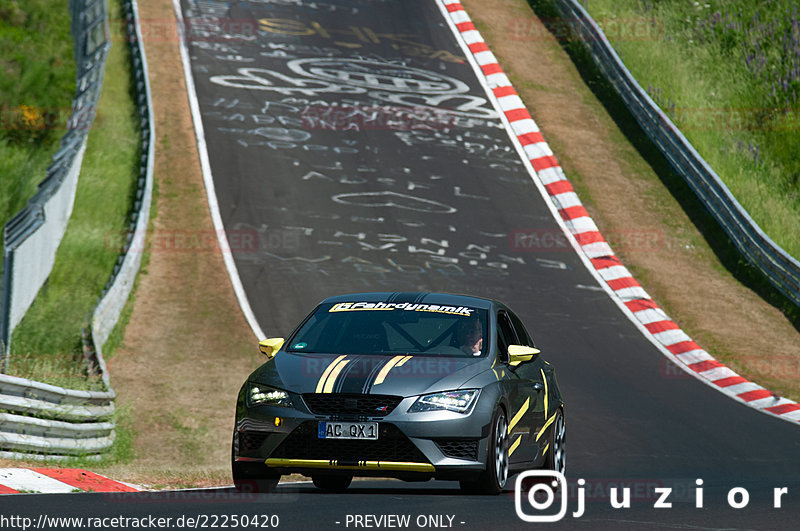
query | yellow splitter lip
(361,465)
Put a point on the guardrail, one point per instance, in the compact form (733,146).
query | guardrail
(32,237)
(42,421)
(781,269)
(118,288)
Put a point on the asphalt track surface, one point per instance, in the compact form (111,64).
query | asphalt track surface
(328,184)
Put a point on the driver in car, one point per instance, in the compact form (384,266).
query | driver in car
(470,336)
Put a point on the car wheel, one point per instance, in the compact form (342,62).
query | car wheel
(493,479)
(332,483)
(556,458)
(253,477)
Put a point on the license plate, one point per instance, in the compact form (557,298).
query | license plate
(348,430)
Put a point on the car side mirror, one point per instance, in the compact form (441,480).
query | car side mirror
(520,353)
(270,346)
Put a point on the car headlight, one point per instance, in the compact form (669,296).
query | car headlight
(264,395)
(458,401)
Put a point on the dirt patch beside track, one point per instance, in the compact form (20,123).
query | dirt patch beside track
(658,230)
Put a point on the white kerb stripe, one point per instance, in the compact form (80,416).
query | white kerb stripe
(567,200)
(448,2)
(718,373)
(581,225)
(671,337)
(497,80)
(744,387)
(694,356)
(632,293)
(523,127)
(782,402)
(651,315)
(508,103)
(599,250)
(485,58)
(617,272)
(764,402)
(471,37)
(550,175)
(23,479)
(537,151)
(459,16)
(793,415)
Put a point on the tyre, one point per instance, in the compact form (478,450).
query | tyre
(493,479)
(244,482)
(556,457)
(332,483)
(252,477)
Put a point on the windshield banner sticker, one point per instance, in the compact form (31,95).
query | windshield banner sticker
(408,306)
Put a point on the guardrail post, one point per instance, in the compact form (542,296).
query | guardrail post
(5,306)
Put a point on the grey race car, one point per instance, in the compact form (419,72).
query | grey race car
(412,386)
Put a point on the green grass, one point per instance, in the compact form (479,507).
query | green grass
(728,74)
(648,158)
(48,340)
(37,84)
(121,450)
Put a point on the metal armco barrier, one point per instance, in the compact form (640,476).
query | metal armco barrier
(41,419)
(32,237)
(38,420)
(119,286)
(781,269)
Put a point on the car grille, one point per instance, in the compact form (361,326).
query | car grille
(250,441)
(459,449)
(391,445)
(351,404)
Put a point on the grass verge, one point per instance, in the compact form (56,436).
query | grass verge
(728,74)
(46,346)
(37,83)
(730,259)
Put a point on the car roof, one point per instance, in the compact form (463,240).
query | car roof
(416,297)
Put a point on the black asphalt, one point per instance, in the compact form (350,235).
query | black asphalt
(362,154)
(385,504)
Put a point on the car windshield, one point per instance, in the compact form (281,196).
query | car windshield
(392,328)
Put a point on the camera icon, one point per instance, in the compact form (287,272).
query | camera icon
(545,483)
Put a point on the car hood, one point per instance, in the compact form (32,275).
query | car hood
(403,375)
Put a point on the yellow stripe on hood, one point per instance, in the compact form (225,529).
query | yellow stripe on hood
(396,361)
(326,373)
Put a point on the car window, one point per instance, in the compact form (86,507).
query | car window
(392,328)
(522,333)
(505,335)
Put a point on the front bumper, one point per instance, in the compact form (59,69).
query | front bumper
(410,446)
